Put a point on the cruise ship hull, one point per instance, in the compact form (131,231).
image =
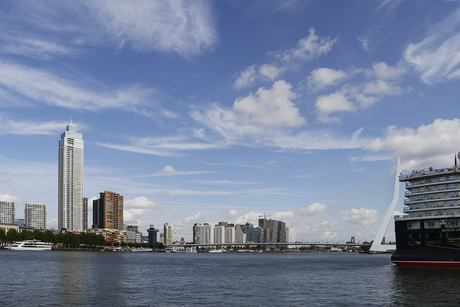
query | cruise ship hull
(427,246)
(428,256)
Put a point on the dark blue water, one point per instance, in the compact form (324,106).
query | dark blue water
(232,279)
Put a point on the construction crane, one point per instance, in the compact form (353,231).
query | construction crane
(265,220)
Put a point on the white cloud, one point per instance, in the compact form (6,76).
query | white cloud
(246,78)
(270,72)
(360,216)
(382,80)
(324,77)
(249,217)
(168,170)
(284,216)
(163,193)
(332,103)
(307,49)
(428,145)
(270,107)
(231,213)
(192,219)
(5,197)
(384,72)
(436,56)
(140,202)
(381,88)
(226,124)
(136,216)
(313,209)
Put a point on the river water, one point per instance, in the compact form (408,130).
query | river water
(29,278)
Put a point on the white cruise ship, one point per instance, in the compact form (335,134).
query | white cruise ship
(31,245)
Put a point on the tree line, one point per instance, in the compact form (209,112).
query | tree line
(68,239)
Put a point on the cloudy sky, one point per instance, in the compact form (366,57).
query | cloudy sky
(207,111)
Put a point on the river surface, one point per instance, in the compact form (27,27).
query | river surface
(29,278)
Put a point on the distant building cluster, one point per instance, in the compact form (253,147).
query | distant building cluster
(268,231)
(34,215)
(108,210)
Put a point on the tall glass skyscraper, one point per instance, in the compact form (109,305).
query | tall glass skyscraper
(70,181)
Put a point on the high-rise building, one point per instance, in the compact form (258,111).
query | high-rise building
(108,211)
(70,180)
(35,216)
(85,213)
(152,234)
(6,212)
(168,234)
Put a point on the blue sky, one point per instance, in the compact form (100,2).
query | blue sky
(207,111)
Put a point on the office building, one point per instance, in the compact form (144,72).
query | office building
(70,180)
(35,216)
(7,212)
(108,211)
(152,237)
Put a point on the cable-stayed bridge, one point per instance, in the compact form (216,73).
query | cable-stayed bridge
(364,211)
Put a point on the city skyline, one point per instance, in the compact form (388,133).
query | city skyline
(227,110)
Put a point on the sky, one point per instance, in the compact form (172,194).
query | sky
(208,111)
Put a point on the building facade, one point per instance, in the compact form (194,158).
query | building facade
(108,211)
(35,216)
(70,180)
(168,234)
(152,234)
(7,213)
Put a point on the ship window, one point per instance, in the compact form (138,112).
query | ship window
(432,224)
(442,178)
(415,236)
(452,177)
(432,235)
(454,235)
(453,223)
(413,224)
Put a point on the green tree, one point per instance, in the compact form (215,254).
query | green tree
(12,235)
(48,236)
(2,235)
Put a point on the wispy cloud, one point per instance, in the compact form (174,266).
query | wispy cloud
(182,27)
(27,127)
(161,146)
(41,87)
(169,170)
(436,55)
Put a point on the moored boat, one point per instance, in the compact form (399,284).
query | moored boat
(429,235)
(31,245)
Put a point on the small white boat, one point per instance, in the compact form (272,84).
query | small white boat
(191,249)
(215,251)
(31,245)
